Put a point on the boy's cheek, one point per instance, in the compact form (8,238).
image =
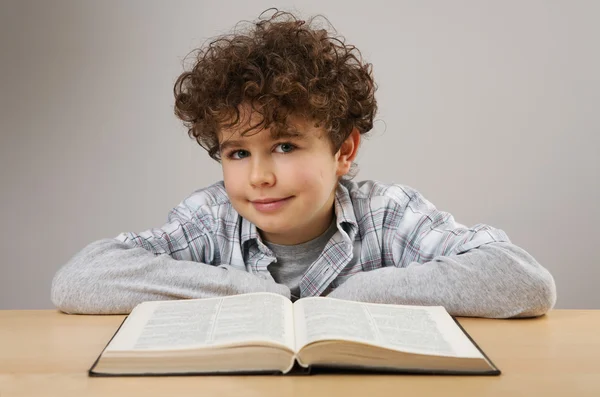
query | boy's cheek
(233,183)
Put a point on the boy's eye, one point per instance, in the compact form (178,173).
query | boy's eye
(239,154)
(286,147)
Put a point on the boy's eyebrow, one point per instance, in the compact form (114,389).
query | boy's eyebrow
(229,144)
(233,143)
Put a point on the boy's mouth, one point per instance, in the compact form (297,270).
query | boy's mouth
(268,200)
(270,204)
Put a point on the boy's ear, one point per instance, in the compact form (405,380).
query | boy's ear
(347,153)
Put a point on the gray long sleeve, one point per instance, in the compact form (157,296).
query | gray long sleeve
(496,280)
(111,277)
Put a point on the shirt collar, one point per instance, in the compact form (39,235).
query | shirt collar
(344,213)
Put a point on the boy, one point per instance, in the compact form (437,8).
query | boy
(283,107)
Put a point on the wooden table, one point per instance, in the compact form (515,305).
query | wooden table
(46,353)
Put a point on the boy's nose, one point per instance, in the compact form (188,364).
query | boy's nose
(261,174)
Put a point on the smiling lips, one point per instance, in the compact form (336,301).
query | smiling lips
(270,204)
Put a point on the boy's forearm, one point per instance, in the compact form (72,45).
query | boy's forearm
(497,280)
(110,277)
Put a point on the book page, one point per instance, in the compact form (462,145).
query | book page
(414,329)
(256,317)
(321,318)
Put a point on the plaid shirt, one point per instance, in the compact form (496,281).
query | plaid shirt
(378,225)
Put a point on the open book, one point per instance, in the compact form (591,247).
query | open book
(267,333)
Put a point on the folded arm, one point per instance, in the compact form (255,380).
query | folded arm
(496,280)
(112,276)
(472,271)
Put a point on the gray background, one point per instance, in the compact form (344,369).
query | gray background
(490,109)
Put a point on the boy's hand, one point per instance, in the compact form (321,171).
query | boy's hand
(269,285)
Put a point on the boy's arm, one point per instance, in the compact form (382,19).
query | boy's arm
(112,276)
(496,280)
(471,271)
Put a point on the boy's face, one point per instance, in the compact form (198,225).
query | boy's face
(286,187)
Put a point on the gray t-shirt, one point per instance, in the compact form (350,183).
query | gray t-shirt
(294,260)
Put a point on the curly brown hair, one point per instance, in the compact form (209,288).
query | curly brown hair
(280,66)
